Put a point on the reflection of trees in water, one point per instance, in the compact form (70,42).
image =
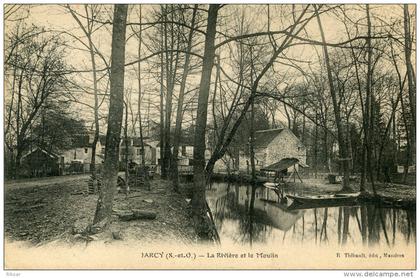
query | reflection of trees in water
(324,227)
(375,225)
(367,224)
(249,229)
(221,212)
(228,206)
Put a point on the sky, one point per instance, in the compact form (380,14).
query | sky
(55,17)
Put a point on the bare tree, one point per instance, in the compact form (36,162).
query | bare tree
(34,83)
(198,201)
(179,113)
(411,79)
(116,107)
(341,136)
(91,11)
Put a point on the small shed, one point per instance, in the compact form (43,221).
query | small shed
(40,162)
(281,166)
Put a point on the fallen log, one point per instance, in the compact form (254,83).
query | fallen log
(134,196)
(78,193)
(136,215)
(29,209)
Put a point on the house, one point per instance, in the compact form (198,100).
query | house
(81,152)
(135,151)
(185,153)
(40,163)
(273,145)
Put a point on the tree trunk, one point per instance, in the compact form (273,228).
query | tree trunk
(179,111)
(162,114)
(126,189)
(411,81)
(142,150)
(96,108)
(116,107)
(343,150)
(369,129)
(170,73)
(252,139)
(198,201)
(88,33)
(316,145)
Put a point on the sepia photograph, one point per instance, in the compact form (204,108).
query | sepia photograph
(209,136)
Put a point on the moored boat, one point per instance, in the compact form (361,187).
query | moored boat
(339,199)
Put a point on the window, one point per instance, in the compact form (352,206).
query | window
(86,150)
(139,152)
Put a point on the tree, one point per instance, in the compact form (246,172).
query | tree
(198,201)
(179,112)
(343,149)
(411,79)
(91,11)
(34,76)
(56,128)
(226,137)
(116,107)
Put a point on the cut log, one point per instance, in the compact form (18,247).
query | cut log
(78,193)
(136,215)
(134,196)
(29,209)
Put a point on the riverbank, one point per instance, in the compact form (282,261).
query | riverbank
(41,211)
(388,194)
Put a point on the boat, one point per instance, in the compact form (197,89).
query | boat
(339,199)
(271,185)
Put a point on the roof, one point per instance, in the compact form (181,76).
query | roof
(153,144)
(81,141)
(281,165)
(264,137)
(50,154)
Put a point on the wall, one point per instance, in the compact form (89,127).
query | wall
(81,154)
(286,145)
(135,155)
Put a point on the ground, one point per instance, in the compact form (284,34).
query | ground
(391,192)
(51,209)
(57,208)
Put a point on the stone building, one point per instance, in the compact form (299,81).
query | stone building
(273,145)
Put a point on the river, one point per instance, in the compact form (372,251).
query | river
(272,223)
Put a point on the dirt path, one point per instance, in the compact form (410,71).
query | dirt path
(24,183)
(44,210)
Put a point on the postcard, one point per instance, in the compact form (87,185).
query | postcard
(209,136)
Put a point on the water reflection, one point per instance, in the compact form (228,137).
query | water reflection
(269,221)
